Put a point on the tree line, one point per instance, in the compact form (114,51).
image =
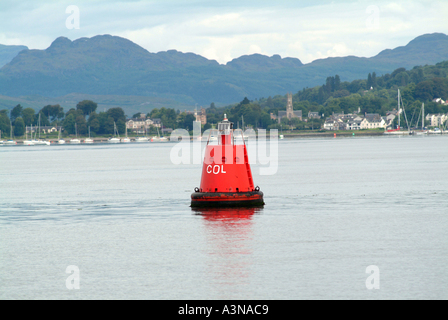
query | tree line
(374,94)
(79,118)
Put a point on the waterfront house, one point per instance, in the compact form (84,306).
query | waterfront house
(436,119)
(373,121)
(313,115)
(139,125)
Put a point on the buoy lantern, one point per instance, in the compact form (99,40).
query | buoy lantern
(226,175)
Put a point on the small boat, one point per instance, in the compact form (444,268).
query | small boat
(126,139)
(398,130)
(435,131)
(159,138)
(40,142)
(114,139)
(10,142)
(60,141)
(27,142)
(76,140)
(141,139)
(88,140)
(423,131)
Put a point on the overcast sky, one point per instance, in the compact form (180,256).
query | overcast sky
(224,30)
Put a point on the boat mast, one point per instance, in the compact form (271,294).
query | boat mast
(39,125)
(423,115)
(399,113)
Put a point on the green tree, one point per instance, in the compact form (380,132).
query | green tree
(5,125)
(186,121)
(424,91)
(69,123)
(369,82)
(87,107)
(94,123)
(337,83)
(121,126)
(116,114)
(16,112)
(81,124)
(28,116)
(53,112)
(19,127)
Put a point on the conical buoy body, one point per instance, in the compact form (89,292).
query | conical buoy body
(226,175)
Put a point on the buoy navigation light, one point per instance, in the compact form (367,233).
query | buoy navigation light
(226,175)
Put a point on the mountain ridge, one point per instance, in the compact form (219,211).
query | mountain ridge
(106,64)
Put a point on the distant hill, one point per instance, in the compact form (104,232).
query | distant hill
(109,65)
(7,53)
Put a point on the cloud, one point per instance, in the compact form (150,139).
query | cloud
(223,31)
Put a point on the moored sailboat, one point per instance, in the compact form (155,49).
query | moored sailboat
(10,141)
(27,142)
(114,139)
(60,141)
(88,140)
(126,139)
(398,129)
(75,140)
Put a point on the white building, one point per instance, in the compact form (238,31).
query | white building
(436,119)
(139,125)
(373,121)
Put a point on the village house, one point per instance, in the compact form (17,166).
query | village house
(43,129)
(313,115)
(140,125)
(440,100)
(354,124)
(329,124)
(436,119)
(373,121)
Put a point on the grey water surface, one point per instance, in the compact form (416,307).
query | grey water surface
(120,213)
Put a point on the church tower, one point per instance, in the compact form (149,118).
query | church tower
(289,110)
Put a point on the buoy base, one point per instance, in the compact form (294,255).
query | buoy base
(227,199)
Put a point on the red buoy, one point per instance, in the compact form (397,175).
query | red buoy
(226,175)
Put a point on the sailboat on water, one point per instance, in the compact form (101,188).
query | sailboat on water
(27,142)
(1,141)
(142,139)
(11,141)
(400,110)
(60,141)
(88,140)
(75,140)
(423,131)
(159,138)
(114,139)
(126,139)
(39,141)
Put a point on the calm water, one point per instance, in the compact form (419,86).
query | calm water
(121,214)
